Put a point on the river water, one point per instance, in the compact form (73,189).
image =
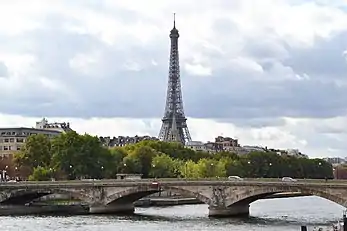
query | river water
(266,215)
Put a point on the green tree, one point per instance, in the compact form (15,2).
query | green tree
(189,170)
(79,155)
(211,168)
(35,152)
(113,162)
(131,165)
(233,167)
(175,150)
(41,174)
(144,155)
(163,166)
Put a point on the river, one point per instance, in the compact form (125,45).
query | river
(266,215)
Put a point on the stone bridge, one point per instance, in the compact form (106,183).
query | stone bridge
(224,198)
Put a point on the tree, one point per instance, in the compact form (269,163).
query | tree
(41,174)
(144,155)
(175,150)
(113,162)
(79,155)
(189,170)
(163,166)
(211,168)
(35,152)
(233,167)
(131,165)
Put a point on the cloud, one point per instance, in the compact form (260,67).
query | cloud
(3,70)
(248,65)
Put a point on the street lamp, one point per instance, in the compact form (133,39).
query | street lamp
(249,172)
(102,172)
(270,164)
(125,168)
(186,170)
(5,173)
(16,173)
(212,170)
(70,172)
(153,166)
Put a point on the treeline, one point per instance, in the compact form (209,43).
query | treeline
(75,156)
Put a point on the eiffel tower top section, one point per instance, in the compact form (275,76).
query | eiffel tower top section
(174,32)
(174,127)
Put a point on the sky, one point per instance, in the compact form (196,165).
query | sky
(270,73)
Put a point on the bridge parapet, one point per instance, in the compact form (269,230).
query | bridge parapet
(128,183)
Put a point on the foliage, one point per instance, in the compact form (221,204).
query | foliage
(41,174)
(163,166)
(35,152)
(83,156)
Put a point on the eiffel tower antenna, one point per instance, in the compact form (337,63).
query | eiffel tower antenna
(174,123)
(174,14)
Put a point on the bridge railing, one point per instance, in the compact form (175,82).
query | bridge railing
(211,181)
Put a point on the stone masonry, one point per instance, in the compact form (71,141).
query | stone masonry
(224,198)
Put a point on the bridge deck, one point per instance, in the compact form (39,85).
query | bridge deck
(171,182)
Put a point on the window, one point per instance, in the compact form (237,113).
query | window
(11,140)
(5,148)
(20,140)
(18,148)
(6,140)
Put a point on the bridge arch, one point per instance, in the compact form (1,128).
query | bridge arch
(23,196)
(246,196)
(135,193)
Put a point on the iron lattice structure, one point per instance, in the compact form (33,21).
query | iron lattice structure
(174,123)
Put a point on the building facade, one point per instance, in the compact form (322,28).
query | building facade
(123,140)
(13,139)
(335,160)
(220,144)
(196,146)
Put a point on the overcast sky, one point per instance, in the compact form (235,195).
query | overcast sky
(269,72)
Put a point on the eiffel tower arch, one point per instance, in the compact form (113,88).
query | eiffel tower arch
(174,123)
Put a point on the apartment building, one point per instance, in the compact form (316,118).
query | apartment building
(123,140)
(13,139)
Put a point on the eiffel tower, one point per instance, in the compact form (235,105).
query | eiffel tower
(174,123)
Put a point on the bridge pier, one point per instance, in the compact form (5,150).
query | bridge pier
(113,209)
(231,211)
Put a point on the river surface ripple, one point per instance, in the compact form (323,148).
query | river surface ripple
(266,215)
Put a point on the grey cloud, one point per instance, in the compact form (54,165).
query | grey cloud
(261,99)
(112,91)
(231,94)
(325,60)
